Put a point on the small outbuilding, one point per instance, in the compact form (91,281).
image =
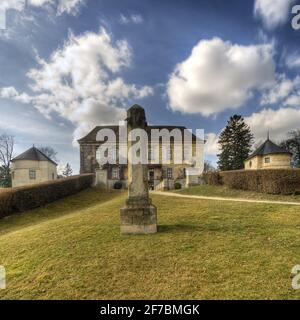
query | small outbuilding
(32,167)
(269,156)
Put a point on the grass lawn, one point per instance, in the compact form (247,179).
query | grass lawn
(224,192)
(203,250)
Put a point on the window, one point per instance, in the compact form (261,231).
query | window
(13,175)
(250,164)
(52,176)
(32,174)
(115,173)
(169,173)
(267,160)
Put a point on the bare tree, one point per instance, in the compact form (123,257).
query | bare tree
(208,167)
(49,152)
(7,143)
(292,143)
(68,171)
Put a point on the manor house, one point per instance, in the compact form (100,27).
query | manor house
(160,175)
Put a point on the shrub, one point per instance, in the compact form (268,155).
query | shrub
(212,178)
(273,181)
(29,197)
(177,186)
(118,185)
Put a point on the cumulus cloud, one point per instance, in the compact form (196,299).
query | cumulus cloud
(219,75)
(133,18)
(81,82)
(279,122)
(273,12)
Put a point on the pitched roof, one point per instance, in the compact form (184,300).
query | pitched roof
(33,154)
(91,137)
(268,147)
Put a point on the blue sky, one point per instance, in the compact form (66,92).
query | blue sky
(68,65)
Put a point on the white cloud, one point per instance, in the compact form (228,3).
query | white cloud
(293,61)
(285,91)
(63,6)
(219,75)
(133,18)
(39,3)
(69,6)
(279,122)
(12,4)
(12,93)
(81,82)
(273,12)
(7,5)
(211,145)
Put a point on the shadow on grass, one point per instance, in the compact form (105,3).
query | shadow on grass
(170,228)
(81,201)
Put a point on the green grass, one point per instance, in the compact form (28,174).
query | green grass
(224,192)
(72,249)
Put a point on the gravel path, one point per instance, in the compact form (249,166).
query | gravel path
(178,195)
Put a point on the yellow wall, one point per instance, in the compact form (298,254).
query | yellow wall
(20,171)
(277,161)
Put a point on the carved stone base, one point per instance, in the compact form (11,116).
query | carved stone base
(138,217)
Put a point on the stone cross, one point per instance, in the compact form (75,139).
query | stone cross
(139,216)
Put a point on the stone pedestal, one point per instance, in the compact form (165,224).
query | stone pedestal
(139,215)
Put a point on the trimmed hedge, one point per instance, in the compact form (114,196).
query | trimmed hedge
(212,178)
(273,181)
(19,199)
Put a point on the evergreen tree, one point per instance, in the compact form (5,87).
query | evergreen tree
(67,172)
(235,144)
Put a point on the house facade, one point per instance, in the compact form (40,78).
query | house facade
(160,176)
(32,167)
(269,156)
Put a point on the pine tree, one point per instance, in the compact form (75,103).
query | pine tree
(235,143)
(67,172)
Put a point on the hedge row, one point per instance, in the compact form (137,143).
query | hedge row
(273,181)
(29,197)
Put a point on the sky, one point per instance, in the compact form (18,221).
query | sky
(69,65)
